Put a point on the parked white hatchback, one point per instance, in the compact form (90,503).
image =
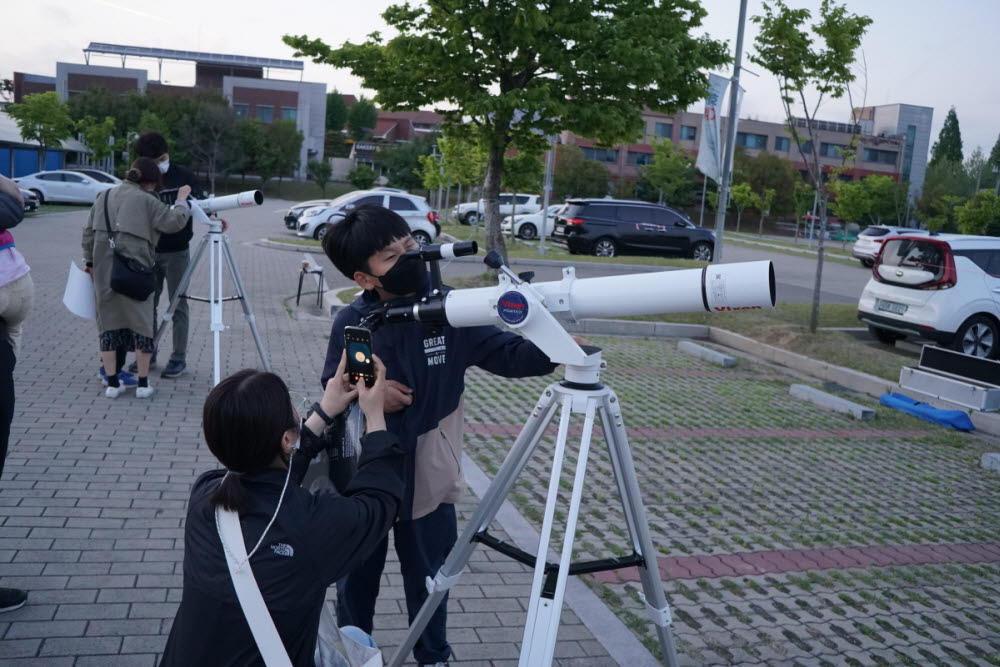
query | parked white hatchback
(63,185)
(422,220)
(944,288)
(527,226)
(869,241)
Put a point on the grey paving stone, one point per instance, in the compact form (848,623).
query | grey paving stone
(59,628)
(80,646)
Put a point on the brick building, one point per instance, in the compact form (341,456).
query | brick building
(242,80)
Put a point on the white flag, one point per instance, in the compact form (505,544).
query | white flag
(709,160)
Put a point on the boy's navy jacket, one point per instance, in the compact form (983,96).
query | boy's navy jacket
(432,361)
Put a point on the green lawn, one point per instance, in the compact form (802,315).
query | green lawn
(47,209)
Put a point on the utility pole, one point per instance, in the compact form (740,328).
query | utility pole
(727,161)
(546,193)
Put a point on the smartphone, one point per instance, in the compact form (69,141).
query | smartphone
(358,343)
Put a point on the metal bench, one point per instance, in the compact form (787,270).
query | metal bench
(308,266)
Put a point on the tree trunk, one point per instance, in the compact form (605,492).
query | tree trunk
(458,200)
(491,192)
(814,317)
(760,229)
(739,214)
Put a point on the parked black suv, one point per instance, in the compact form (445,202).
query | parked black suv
(610,227)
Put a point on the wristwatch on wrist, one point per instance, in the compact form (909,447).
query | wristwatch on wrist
(327,419)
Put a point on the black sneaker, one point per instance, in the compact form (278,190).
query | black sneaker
(12,598)
(173,369)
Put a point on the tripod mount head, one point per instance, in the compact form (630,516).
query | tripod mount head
(535,309)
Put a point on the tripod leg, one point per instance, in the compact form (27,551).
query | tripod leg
(488,507)
(181,291)
(545,606)
(247,311)
(635,517)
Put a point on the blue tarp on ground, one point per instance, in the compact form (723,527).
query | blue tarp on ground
(955,419)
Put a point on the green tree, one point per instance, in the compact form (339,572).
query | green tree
(43,118)
(335,145)
(980,215)
(285,141)
(6,90)
(464,159)
(319,171)
(744,198)
(768,171)
(361,119)
(804,62)
(362,176)
(946,185)
(974,167)
(250,137)
(401,162)
(670,171)
(336,111)
(514,68)
(98,136)
(576,176)
(948,147)
(211,140)
(766,202)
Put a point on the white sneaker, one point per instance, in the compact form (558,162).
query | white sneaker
(143,392)
(114,392)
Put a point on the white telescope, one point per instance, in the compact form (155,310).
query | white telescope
(532,308)
(213,204)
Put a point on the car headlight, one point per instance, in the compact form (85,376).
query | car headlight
(312,212)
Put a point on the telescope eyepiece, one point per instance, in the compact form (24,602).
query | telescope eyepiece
(446,250)
(493,259)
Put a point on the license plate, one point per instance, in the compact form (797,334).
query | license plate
(891,306)
(559,231)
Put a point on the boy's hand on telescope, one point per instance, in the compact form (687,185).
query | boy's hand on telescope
(372,399)
(182,194)
(397,396)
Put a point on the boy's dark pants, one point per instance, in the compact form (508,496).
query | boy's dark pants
(422,546)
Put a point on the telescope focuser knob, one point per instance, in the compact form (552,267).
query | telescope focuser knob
(493,259)
(526,276)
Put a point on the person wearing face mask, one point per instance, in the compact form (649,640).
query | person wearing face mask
(425,367)
(297,543)
(172,250)
(136,218)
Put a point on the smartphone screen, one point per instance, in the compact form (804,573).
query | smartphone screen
(358,343)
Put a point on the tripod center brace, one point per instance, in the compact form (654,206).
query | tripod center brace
(219,252)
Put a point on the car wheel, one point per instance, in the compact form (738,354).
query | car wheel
(469,218)
(867,263)
(527,231)
(605,247)
(423,238)
(884,335)
(979,336)
(321,232)
(38,193)
(701,251)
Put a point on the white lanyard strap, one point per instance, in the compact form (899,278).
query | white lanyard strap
(272,650)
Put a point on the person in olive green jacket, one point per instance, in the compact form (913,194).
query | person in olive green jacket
(137,218)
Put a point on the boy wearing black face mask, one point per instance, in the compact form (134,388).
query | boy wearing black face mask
(425,367)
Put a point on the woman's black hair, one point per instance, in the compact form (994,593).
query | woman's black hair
(244,419)
(144,171)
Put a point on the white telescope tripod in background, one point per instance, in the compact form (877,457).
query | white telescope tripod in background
(529,309)
(219,252)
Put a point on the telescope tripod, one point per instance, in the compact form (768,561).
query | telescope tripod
(549,583)
(219,251)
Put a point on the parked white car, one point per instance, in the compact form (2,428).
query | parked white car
(470,212)
(63,185)
(944,288)
(870,241)
(295,212)
(527,226)
(422,220)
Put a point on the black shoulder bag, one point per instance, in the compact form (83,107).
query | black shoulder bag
(129,276)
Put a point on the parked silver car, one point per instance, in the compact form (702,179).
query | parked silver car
(63,185)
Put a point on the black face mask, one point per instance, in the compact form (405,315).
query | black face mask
(407,275)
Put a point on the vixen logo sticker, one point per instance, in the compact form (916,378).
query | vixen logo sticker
(512,307)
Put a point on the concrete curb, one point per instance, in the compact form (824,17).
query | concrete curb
(830,402)
(295,247)
(623,646)
(706,354)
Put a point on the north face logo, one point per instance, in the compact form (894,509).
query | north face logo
(283,549)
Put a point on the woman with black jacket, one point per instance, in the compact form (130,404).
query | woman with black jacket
(304,542)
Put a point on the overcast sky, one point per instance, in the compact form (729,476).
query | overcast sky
(922,52)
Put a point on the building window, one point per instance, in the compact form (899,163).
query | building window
(242,110)
(609,155)
(637,159)
(664,130)
(880,157)
(807,147)
(289,113)
(832,150)
(265,113)
(747,140)
(781,144)
(688,132)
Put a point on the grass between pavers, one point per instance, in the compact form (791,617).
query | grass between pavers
(737,467)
